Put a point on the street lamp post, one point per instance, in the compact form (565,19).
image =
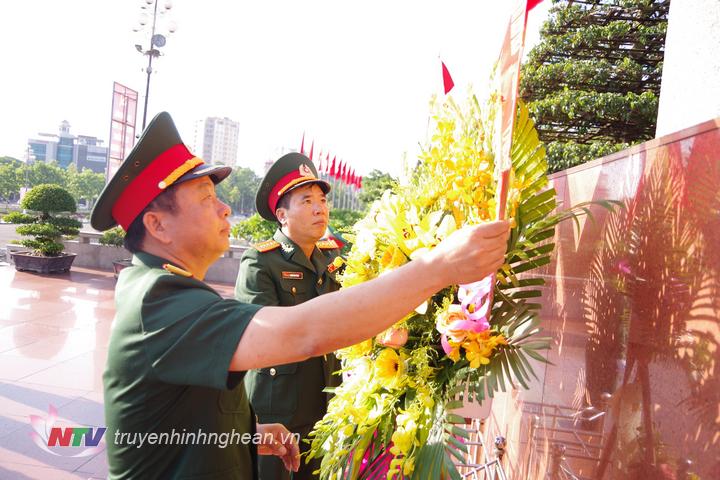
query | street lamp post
(157,40)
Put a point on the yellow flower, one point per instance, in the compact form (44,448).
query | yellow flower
(389,366)
(477,354)
(357,350)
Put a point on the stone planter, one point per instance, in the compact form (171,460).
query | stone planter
(118,265)
(26,262)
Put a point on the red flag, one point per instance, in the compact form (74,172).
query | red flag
(447,79)
(319,161)
(341,171)
(327,163)
(360,181)
(302,144)
(332,168)
(312,145)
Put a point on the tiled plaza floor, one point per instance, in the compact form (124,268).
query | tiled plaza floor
(54,331)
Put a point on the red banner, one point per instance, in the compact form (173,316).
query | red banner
(122,127)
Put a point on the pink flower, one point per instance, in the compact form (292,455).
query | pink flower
(475,299)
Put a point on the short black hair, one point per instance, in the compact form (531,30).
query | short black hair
(135,234)
(284,202)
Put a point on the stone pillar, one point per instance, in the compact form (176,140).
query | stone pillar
(690,90)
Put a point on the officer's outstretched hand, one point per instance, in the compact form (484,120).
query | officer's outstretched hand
(471,253)
(277,440)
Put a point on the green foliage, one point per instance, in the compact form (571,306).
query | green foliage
(254,229)
(342,220)
(40,173)
(238,190)
(570,154)
(85,185)
(14,175)
(47,198)
(114,237)
(46,229)
(9,180)
(592,83)
(374,185)
(18,217)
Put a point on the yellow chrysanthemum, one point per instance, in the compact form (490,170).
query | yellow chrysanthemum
(389,367)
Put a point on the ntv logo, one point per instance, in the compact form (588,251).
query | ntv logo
(46,434)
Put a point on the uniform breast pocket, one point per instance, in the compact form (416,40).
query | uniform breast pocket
(273,392)
(293,292)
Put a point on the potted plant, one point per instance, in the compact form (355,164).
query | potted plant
(46,229)
(115,237)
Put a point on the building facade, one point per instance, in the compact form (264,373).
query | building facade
(216,140)
(66,149)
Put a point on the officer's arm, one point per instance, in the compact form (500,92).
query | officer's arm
(278,335)
(254,283)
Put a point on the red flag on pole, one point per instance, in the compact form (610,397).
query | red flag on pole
(327,163)
(302,144)
(319,161)
(312,145)
(509,75)
(448,83)
(332,168)
(341,171)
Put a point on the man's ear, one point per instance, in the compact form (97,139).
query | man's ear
(155,226)
(281,215)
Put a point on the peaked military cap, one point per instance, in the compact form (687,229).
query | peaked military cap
(158,160)
(289,172)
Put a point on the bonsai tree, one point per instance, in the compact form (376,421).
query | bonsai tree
(46,229)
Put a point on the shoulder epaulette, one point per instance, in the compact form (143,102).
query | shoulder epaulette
(266,246)
(177,270)
(327,245)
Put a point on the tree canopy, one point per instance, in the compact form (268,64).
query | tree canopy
(592,83)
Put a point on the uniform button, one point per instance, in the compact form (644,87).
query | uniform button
(319,281)
(273,372)
(293,290)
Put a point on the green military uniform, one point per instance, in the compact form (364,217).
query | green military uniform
(166,381)
(278,273)
(167,371)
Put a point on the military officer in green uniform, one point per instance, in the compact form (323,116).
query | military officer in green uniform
(175,403)
(292,267)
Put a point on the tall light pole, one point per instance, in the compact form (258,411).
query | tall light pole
(157,40)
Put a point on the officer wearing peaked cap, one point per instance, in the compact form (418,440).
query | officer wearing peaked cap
(178,351)
(290,268)
(173,337)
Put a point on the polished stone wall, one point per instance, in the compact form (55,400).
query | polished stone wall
(632,302)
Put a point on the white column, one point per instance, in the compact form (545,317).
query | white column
(690,90)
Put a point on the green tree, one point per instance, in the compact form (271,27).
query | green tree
(85,185)
(40,173)
(254,229)
(592,83)
(238,190)
(10,182)
(373,186)
(46,228)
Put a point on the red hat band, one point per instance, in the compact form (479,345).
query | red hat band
(287,182)
(159,174)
